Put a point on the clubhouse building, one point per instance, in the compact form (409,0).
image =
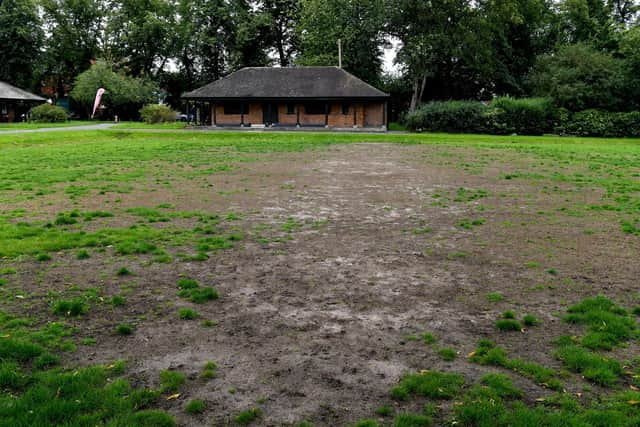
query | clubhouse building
(14,102)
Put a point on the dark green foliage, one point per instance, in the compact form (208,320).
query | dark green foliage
(248,416)
(508,314)
(117,300)
(601,124)
(124,329)
(195,406)
(157,113)
(171,381)
(71,308)
(435,385)
(202,295)
(186,283)
(636,311)
(524,116)
(450,116)
(65,219)
(47,113)
(384,411)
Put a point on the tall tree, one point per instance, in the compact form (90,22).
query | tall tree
(358,23)
(21,38)
(588,21)
(283,16)
(75,29)
(141,34)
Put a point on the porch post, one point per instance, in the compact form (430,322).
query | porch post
(297,115)
(326,114)
(355,116)
(215,118)
(384,116)
(241,114)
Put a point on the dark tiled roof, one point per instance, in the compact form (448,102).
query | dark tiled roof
(295,82)
(13,93)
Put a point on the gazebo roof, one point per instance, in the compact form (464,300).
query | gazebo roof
(12,93)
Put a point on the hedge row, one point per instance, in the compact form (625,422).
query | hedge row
(526,116)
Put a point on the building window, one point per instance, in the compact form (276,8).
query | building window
(3,109)
(235,108)
(315,108)
(291,108)
(345,108)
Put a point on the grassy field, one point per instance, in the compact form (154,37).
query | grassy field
(311,279)
(20,126)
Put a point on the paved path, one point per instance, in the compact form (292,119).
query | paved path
(66,128)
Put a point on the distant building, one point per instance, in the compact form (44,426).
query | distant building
(14,102)
(290,97)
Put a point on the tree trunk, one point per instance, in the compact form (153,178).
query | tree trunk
(417,92)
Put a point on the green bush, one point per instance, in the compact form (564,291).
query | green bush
(47,113)
(156,113)
(602,124)
(524,116)
(449,116)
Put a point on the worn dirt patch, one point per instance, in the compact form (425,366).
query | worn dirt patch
(314,318)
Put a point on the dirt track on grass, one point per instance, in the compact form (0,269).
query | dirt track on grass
(313,320)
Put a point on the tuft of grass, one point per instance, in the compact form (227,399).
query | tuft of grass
(41,257)
(124,329)
(210,370)
(187,314)
(429,338)
(171,381)
(207,323)
(407,419)
(123,271)
(447,354)
(83,254)
(202,295)
(636,311)
(248,416)
(495,297)
(384,411)
(88,341)
(195,406)
(508,314)
(508,325)
(530,320)
(70,308)
(435,385)
(117,300)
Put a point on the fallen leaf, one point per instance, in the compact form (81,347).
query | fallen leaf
(473,353)
(634,388)
(173,396)
(634,402)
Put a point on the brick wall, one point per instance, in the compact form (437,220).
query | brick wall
(366,114)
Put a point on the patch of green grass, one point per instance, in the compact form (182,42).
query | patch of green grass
(82,254)
(187,283)
(429,338)
(171,381)
(117,300)
(248,416)
(195,406)
(530,320)
(502,385)
(43,257)
(508,314)
(608,325)
(88,341)
(407,419)
(435,385)
(384,411)
(207,323)
(594,367)
(468,224)
(123,271)
(508,325)
(202,295)
(210,370)
(187,314)
(495,297)
(70,308)
(124,329)
(447,354)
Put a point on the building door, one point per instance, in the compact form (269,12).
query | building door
(270,113)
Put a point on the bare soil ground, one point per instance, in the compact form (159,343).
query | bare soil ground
(349,251)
